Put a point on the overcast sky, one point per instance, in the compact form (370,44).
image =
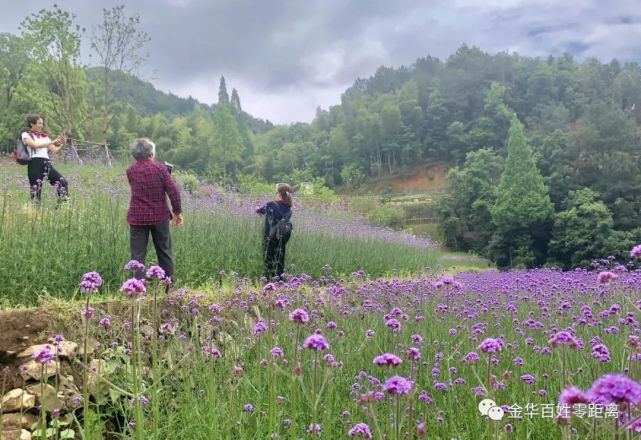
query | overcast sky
(288,57)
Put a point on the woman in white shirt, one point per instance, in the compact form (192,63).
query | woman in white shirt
(40,167)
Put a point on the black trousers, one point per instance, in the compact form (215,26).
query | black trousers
(40,169)
(138,239)
(274,256)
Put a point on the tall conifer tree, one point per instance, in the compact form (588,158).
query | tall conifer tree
(223,96)
(523,210)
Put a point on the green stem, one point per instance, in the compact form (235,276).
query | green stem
(314,410)
(85,382)
(398,417)
(489,366)
(43,414)
(154,354)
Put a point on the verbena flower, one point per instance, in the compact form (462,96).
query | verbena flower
(134,288)
(388,359)
(299,316)
(360,430)
(134,266)
(615,388)
(393,325)
(398,385)
(606,276)
(528,379)
(91,282)
(259,328)
(491,345)
(316,342)
(44,355)
(563,338)
(471,358)
(156,272)
(413,353)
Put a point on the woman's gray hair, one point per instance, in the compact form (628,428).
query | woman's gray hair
(143,148)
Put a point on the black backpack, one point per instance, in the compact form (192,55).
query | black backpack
(21,153)
(282,228)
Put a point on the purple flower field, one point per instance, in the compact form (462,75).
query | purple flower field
(540,354)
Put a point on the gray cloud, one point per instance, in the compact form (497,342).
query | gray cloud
(286,57)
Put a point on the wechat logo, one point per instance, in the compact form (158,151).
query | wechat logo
(488,407)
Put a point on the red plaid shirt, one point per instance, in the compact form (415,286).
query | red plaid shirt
(150,184)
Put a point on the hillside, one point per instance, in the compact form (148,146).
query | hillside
(405,181)
(147,100)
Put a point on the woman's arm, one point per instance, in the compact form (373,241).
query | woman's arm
(57,144)
(37,144)
(54,148)
(262,210)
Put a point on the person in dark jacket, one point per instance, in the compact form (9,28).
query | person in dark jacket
(274,244)
(148,212)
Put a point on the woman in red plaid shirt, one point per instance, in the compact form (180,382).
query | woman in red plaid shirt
(149,212)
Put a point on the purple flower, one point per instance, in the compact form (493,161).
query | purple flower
(568,398)
(316,342)
(413,353)
(277,352)
(134,266)
(299,315)
(360,430)
(471,358)
(528,379)
(156,272)
(248,408)
(259,328)
(314,428)
(394,325)
(331,325)
(134,288)
(606,276)
(491,345)
(615,388)
(563,338)
(601,353)
(636,251)
(425,397)
(90,283)
(44,355)
(387,359)
(398,385)
(105,321)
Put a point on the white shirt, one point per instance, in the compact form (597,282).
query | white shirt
(40,152)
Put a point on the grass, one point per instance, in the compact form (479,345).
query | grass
(50,247)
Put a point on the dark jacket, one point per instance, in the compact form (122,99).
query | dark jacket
(273,211)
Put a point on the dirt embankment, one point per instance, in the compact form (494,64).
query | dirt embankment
(20,329)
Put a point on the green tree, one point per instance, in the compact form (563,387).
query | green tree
(235,102)
(227,148)
(523,211)
(464,213)
(581,231)
(117,42)
(54,46)
(490,130)
(223,96)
